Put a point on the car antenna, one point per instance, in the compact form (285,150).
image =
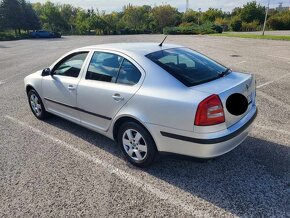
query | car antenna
(163,41)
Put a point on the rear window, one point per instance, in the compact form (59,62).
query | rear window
(188,66)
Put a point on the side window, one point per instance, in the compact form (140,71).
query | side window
(129,74)
(104,67)
(71,65)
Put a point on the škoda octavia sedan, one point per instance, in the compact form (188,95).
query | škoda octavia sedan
(149,98)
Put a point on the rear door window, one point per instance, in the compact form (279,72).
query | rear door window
(129,74)
(104,67)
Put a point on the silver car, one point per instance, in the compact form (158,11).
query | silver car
(149,98)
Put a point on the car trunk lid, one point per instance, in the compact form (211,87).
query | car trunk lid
(237,93)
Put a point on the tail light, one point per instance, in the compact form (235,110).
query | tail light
(210,112)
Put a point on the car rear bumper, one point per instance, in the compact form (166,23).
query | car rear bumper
(202,145)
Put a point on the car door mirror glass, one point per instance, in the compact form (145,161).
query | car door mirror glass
(46,72)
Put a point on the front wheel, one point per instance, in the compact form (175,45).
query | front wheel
(137,144)
(36,105)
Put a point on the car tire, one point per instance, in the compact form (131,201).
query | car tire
(36,105)
(137,144)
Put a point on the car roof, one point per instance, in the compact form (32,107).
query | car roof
(136,48)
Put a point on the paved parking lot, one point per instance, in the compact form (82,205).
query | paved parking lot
(57,169)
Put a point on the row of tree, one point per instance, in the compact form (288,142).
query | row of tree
(65,18)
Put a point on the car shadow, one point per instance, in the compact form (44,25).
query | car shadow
(252,180)
(3,46)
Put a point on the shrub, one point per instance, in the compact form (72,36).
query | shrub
(8,35)
(128,31)
(280,21)
(180,30)
(194,29)
(218,28)
(252,26)
(223,23)
(207,28)
(236,24)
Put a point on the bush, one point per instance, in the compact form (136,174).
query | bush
(218,28)
(252,26)
(236,24)
(128,31)
(180,30)
(280,21)
(8,36)
(223,23)
(194,29)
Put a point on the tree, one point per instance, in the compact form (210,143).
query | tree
(68,14)
(190,16)
(82,22)
(165,15)
(51,17)
(136,17)
(30,20)
(10,13)
(252,11)
(112,21)
(212,14)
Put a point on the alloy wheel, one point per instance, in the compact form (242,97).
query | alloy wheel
(35,104)
(134,144)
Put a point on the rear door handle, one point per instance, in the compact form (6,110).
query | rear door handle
(71,88)
(117,97)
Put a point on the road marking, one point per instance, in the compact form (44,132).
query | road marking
(241,62)
(118,172)
(272,129)
(272,81)
(279,57)
(274,100)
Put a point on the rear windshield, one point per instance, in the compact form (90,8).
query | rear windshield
(188,66)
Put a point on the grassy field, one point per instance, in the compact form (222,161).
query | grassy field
(253,36)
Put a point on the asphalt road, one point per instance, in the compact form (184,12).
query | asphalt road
(58,169)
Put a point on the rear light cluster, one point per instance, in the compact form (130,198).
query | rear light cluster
(210,112)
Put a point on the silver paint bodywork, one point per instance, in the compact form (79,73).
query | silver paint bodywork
(158,101)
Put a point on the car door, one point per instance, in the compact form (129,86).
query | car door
(60,89)
(110,81)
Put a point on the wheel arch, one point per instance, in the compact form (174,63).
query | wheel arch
(28,88)
(121,120)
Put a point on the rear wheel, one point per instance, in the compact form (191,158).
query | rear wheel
(137,144)
(36,105)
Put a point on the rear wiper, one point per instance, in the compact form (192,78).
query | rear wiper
(227,71)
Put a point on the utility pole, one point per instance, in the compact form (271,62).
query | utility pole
(267,10)
(199,13)
(187,5)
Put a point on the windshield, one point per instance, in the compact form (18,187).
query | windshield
(188,66)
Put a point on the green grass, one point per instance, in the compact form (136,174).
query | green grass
(253,36)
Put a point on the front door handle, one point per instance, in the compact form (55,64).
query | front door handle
(71,88)
(117,97)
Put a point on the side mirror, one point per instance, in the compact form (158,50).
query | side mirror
(46,72)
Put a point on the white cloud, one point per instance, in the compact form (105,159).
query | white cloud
(116,5)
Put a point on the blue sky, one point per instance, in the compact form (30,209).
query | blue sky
(116,5)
